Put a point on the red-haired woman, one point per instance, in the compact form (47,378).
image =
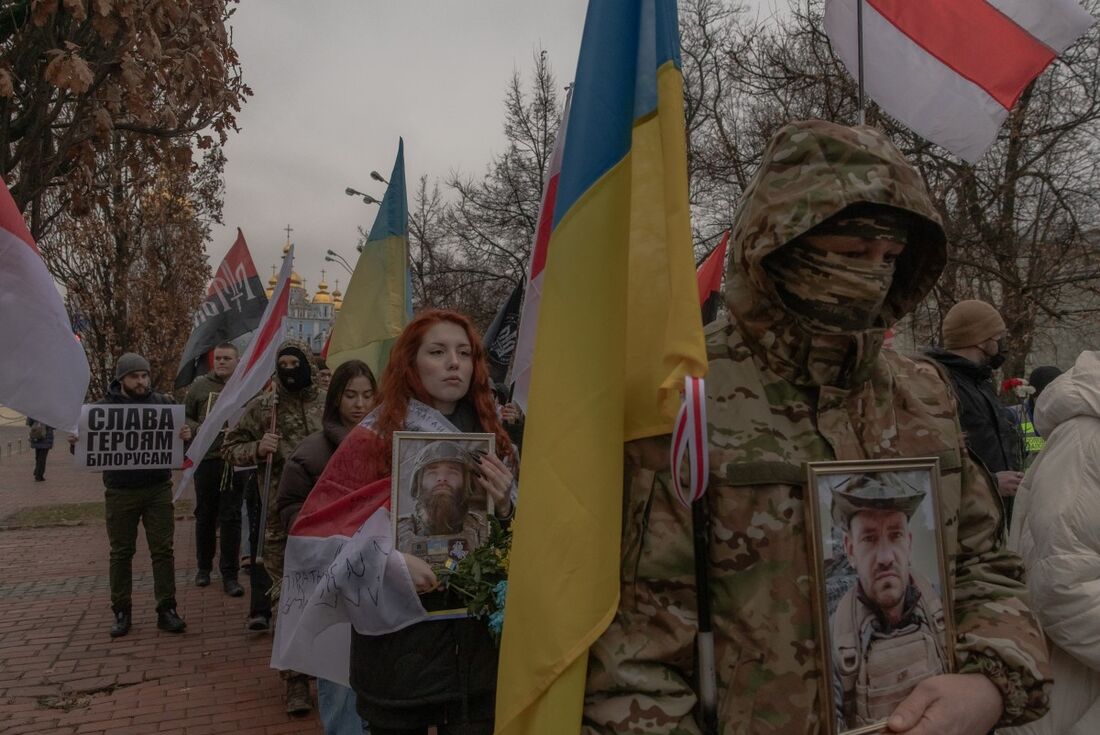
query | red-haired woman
(434,672)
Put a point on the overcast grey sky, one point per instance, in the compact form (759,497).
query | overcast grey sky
(336,82)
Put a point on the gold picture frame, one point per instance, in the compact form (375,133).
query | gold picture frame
(877,524)
(421,529)
(211,399)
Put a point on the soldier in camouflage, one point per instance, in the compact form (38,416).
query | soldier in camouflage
(888,632)
(798,375)
(298,403)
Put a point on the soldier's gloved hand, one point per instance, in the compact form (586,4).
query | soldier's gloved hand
(269,444)
(951,704)
(423,577)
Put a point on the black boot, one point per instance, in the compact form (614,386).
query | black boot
(121,625)
(297,696)
(170,621)
(232,587)
(202,578)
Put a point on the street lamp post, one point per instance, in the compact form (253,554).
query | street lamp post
(334,257)
(367,198)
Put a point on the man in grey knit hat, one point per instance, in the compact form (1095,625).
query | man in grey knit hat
(140,495)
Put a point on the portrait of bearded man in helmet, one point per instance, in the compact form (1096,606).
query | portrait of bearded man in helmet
(446,518)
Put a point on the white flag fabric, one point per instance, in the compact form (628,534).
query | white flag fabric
(529,317)
(255,368)
(43,370)
(951,70)
(341,570)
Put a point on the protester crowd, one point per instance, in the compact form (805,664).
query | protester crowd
(797,373)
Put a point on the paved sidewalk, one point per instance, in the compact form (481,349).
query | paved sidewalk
(59,670)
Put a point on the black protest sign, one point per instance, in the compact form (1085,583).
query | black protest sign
(130,437)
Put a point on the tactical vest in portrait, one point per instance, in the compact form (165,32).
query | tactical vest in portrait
(878,670)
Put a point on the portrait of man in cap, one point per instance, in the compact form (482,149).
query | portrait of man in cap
(440,517)
(888,631)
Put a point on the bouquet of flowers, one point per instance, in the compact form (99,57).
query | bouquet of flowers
(480,579)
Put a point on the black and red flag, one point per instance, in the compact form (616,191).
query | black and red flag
(709,276)
(234,304)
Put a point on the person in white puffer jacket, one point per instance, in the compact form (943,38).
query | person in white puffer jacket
(1056,529)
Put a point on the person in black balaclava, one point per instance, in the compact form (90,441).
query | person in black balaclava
(294,369)
(298,404)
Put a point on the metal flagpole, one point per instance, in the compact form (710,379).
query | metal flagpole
(708,684)
(859,46)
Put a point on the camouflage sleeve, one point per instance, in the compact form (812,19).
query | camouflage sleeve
(997,634)
(239,446)
(640,669)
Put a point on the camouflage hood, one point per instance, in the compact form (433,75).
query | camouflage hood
(811,171)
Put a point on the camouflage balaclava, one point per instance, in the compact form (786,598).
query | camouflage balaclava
(816,174)
(834,292)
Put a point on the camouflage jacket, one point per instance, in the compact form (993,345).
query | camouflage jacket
(297,415)
(779,395)
(195,405)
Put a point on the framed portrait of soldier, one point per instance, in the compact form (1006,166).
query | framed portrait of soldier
(881,592)
(440,514)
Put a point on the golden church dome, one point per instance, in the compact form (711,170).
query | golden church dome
(337,297)
(271,282)
(322,296)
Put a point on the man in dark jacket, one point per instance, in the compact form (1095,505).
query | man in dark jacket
(218,490)
(973,347)
(140,495)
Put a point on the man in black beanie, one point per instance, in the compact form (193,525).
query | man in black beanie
(140,495)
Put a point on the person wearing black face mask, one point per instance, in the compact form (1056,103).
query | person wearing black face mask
(973,347)
(297,404)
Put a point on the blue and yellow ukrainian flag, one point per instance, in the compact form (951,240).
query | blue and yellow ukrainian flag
(618,330)
(378,299)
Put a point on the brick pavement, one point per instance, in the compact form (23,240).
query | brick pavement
(59,670)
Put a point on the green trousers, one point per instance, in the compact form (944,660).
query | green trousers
(152,506)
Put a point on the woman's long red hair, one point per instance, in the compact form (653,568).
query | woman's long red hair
(401,381)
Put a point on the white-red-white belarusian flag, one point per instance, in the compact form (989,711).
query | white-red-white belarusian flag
(953,69)
(529,317)
(43,370)
(253,371)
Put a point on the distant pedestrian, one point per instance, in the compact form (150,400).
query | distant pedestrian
(140,495)
(1034,443)
(41,439)
(324,373)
